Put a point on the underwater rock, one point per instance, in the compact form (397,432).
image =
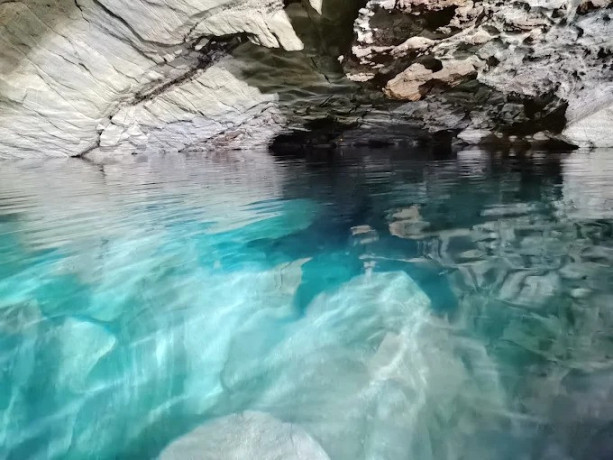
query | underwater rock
(369,371)
(83,345)
(250,434)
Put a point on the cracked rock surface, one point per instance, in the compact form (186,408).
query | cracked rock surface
(517,67)
(78,74)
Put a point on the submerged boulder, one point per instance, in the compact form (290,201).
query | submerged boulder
(371,373)
(245,435)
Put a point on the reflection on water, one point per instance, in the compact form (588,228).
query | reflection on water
(381,304)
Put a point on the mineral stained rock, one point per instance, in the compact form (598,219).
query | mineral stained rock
(80,77)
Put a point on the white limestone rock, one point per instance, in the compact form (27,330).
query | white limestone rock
(390,378)
(199,109)
(117,75)
(595,130)
(246,435)
(474,136)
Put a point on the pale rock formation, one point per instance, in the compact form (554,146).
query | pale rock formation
(203,108)
(592,127)
(245,435)
(67,68)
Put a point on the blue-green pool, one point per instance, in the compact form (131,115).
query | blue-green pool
(379,304)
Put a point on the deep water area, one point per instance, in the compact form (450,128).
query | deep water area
(377,303)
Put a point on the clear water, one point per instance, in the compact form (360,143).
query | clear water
(390,305)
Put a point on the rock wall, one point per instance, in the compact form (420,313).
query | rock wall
(516,67)
(101,77)
(75,74)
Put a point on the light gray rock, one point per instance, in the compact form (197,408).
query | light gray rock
(389,383)
(255,435)
(71,70)
(594,130)
(212,103)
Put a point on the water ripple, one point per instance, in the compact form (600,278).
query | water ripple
(384,305)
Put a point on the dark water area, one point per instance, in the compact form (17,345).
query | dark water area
(385,303)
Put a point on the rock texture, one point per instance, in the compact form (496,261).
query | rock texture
(245,435)
(78,74)
(517,67)
(96,77)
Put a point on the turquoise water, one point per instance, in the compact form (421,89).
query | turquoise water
(377,304)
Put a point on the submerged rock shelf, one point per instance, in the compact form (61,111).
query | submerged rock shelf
(372,304)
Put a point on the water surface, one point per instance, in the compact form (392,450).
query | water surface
(389,304)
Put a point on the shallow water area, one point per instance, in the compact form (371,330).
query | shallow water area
(369,304)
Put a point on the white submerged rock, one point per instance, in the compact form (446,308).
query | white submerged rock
(371,374)
(83,345)
(247,435)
